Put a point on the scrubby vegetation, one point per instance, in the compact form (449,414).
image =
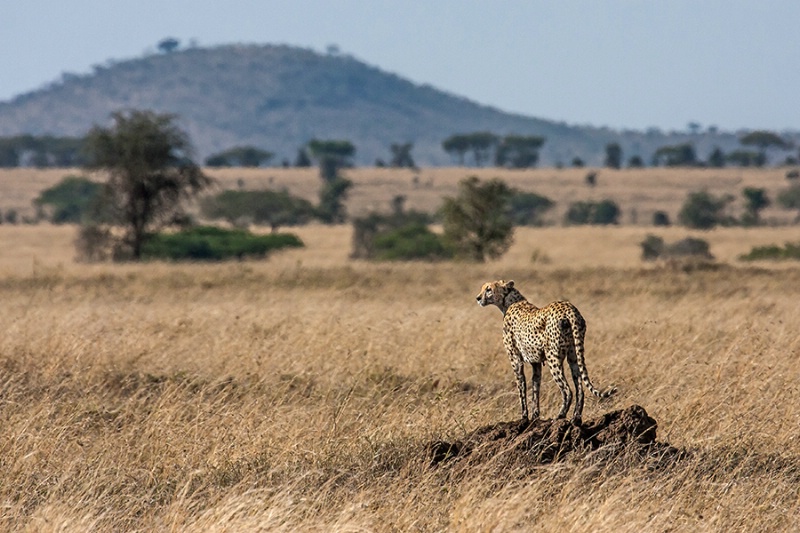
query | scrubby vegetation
(73,200)
(773,252)
(529,208)
(603,212)
(208,243)
(305,393)
(654,247)
(703,210)
(400,235)
(410,241)
(267,207)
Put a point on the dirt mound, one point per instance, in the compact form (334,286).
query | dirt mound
(546,441)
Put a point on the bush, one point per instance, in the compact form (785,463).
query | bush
(412,241)
(396,236)
(654,248)
(603,212)
(273,208)
(636,162)
(207,243)
(606,212)
(702,210)
(773,252)
(527,208)
(11,216)
(790,198)
(94,243)
(240,156)
(71,201)
(661,218)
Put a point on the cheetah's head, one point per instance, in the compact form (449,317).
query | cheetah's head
(494,293)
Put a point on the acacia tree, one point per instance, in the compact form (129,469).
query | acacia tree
(457,146)
(274,208)
(764,140)
(480,143)
(477,221)
(518,151)
(240,156)
(613,155)
(756,199)
(331,155)
(150,172)
(401,155)
(680,155)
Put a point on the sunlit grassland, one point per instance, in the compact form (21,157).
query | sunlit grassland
(638,192)
(298,393)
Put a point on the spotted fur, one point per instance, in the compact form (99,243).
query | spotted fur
(547,335)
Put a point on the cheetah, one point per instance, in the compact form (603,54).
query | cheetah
(547,335)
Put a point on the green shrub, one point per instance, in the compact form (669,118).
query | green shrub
(272,208)
(412,241)
(654,248)
(604,212)
(208,243)
(527,208)
(578,213)
(774,252)
(661,218)
(394,236)
(71,201)
(790,198)
(702,210)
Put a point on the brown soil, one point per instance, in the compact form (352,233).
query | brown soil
(526,443)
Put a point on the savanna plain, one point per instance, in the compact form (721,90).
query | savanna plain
(302,392)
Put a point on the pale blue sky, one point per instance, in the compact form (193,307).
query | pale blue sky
(618,63)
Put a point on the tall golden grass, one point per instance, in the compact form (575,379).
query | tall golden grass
(299,393)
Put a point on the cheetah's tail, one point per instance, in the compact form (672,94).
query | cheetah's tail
(579,353)
(602,395)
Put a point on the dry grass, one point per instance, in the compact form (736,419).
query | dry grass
(638,192)
(299,393)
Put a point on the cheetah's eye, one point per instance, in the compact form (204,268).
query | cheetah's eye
(488,292)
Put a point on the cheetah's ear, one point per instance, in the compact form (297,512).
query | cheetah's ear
(510,284)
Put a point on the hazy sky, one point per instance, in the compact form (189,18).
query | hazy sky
(618,63)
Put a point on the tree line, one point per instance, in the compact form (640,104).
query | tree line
(476,149)
(756,146)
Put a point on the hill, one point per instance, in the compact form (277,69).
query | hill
(279,97)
